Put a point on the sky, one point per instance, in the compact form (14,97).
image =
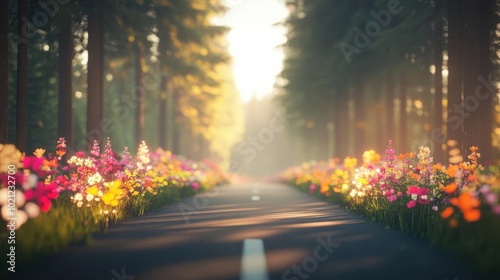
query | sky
(254,42)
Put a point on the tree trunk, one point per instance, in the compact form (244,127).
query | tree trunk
(176,131)
(359,118)
(389,108)
(65,109)
(4,72)
(162,129)
(438,88)
(478,106)
(95,76)
(140,93)
(340,125)
(403,129)
(454,120)
(22,79)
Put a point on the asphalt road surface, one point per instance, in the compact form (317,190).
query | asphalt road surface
(254,231)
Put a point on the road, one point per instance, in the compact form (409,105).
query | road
(288,235)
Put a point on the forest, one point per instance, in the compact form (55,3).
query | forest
(420,73)
(86,70)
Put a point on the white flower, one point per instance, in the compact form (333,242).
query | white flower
(353,193)
(30,181)
(89,197)
(78,197)
(32,210)
(435,208)
(414,196)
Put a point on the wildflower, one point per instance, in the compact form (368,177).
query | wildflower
(447,212)
(468,204)
(350,163)
(39,152)
(312,188)
(451,188)
(371,157)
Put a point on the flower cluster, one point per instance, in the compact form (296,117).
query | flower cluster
(36,181)
(408,181)
(97,182)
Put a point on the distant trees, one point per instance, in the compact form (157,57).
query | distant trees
(4,72)
(409,54)
(22,77)
(106,68)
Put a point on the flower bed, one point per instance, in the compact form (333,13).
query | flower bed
(455,206)
(51,202)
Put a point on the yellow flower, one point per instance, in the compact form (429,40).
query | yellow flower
(350,162)
(371,157)
(39,152)
(92,190)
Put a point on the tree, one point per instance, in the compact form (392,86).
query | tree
(438,81)
(65,104)
(22,78)
(454,121)
(95,74)
(4,72)
(478,90)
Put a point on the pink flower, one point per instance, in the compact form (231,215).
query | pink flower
(392,198)
(411,204)
(490,198)
(413,190)
(423,191)
(312,188)
(496,209)
(33,163)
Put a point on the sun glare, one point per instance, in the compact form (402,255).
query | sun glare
(254,44)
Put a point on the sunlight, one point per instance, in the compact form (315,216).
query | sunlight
(254,44)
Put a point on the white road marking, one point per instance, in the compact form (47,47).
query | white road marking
(253,261)
(255,198)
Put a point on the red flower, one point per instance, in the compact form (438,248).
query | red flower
(33,163)
(45,204)
(413,190)
(411,204)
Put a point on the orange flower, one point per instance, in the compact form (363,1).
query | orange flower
(401,157)
(472,215)
(414,176)
(450,188)
(468,205)
(474,149)
(472,178)
(438,167)
(447,212)
(411,155)
(452,170)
